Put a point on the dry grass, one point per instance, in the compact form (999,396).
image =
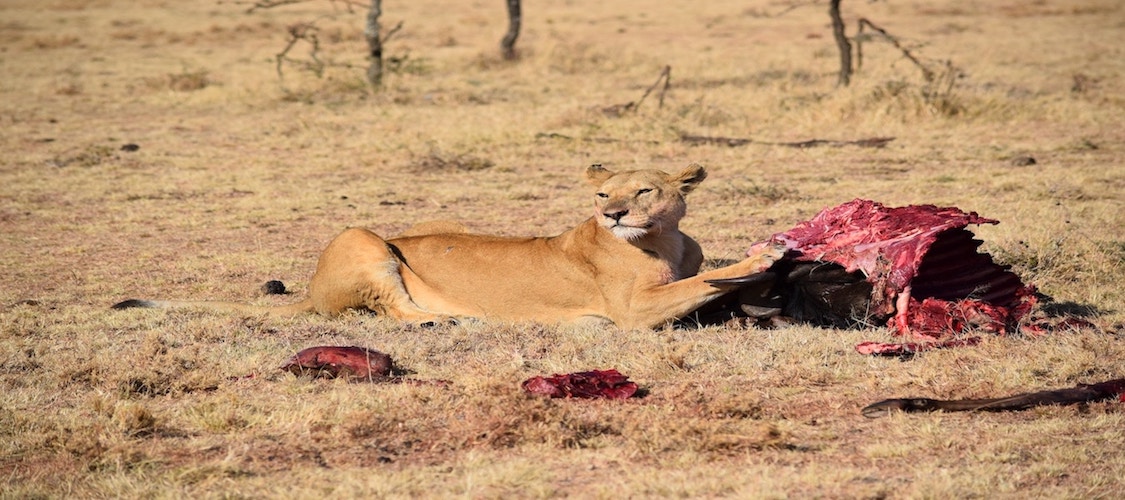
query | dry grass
(240,178)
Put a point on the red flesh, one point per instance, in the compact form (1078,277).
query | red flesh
(922,263)
(608,384)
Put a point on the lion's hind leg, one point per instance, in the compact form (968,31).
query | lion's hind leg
(358,270)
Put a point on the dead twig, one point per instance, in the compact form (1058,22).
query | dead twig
(620,109)
(788,8)
(666,76)
(298,32)
(307,32)
(927,73)
(270,4)
(392,32)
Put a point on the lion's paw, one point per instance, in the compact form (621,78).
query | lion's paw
(767,253)
(438,321)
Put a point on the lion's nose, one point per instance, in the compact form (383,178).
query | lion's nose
(616,215)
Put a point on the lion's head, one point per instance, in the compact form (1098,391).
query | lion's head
(637,203)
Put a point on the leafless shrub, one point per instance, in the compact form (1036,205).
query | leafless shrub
(936,94)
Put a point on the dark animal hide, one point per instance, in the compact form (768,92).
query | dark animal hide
(1081,394)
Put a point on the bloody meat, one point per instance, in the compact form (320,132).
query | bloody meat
(916,269)
(353,362)
(608,384)
(923,265)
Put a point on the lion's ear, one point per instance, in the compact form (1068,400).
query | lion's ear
(597,174)
(689,178)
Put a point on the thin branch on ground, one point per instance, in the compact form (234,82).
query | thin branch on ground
(732,142)
(599,140)
(870,142)
(699,140)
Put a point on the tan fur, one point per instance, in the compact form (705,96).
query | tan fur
(628,265)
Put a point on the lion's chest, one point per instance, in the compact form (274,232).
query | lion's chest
(659,271)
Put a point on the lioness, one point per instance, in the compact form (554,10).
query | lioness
(628,265)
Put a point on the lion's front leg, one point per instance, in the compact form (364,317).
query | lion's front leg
(358,270)
(659,305)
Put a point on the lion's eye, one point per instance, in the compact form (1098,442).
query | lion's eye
(643,191)
(602,195)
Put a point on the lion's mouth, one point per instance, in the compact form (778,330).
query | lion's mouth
(628,232)
(618,224)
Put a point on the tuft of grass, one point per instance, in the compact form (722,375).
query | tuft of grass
(442,161)
(186,81)
(134,420)
(750,190)
(90,156)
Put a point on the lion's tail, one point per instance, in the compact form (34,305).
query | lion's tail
(304,306)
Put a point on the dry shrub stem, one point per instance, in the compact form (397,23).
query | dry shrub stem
(269,4)
(508,43)
(927,73)
(301,32)
(374,44)
(666,77)
(842,44)
(307,32)
(632,106)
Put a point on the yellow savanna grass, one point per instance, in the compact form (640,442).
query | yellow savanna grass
(240,176)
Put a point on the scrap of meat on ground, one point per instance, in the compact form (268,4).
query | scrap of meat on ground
(608,384)
(916,269)
(353,362)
